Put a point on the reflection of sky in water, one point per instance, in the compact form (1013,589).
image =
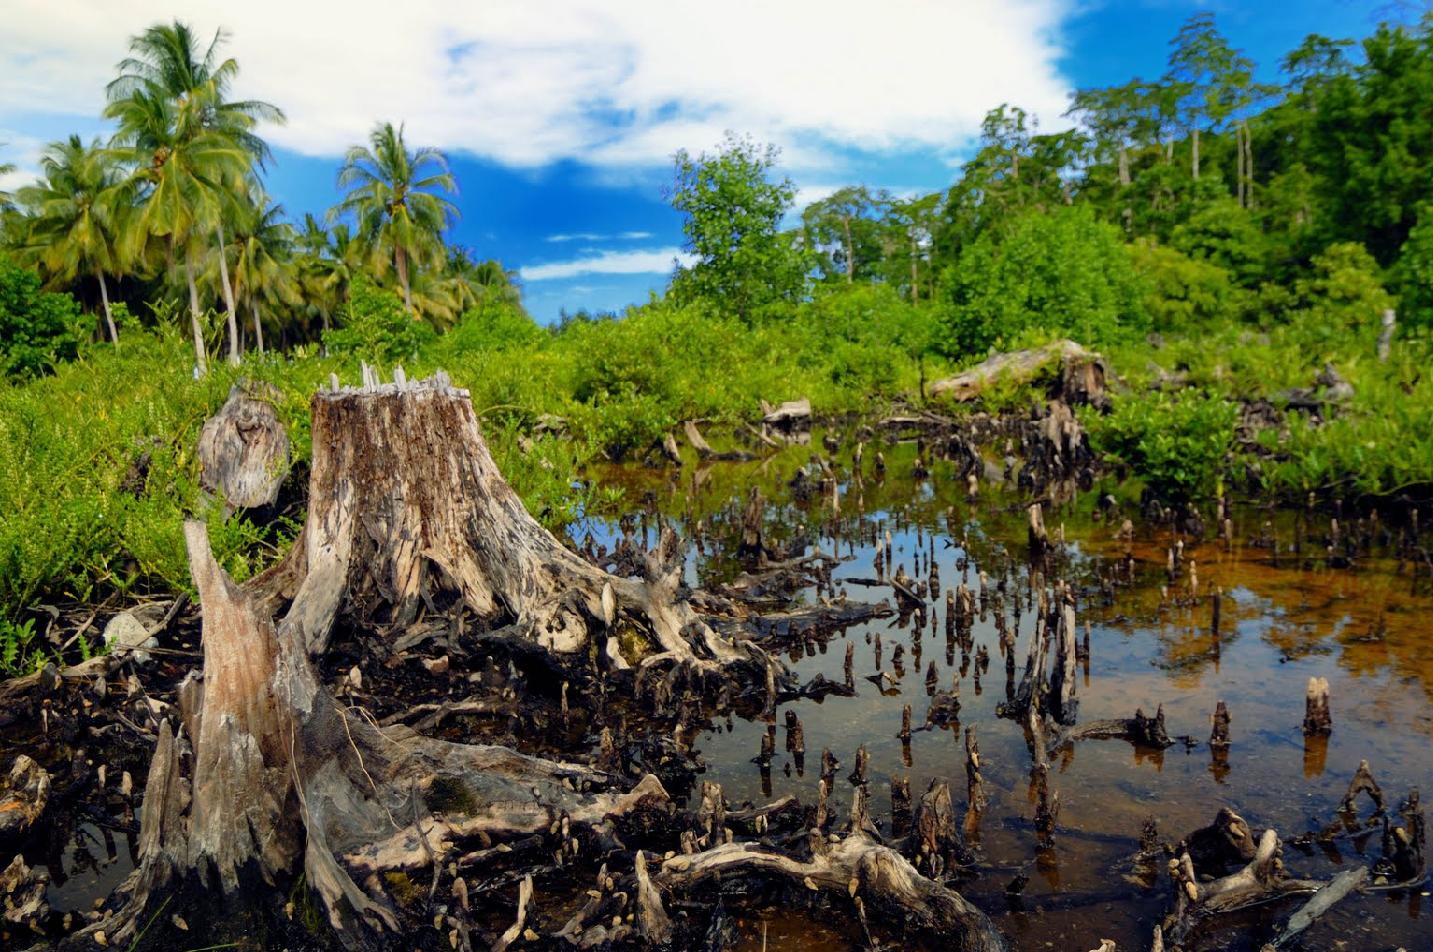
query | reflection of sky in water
(1280,626)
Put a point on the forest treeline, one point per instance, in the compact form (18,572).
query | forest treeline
(1222,240)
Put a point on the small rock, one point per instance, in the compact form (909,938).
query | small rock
(126,635)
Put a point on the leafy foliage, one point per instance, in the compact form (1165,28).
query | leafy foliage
(38,329)
(375,327)
(1061,270)
(733,219)
(1176,442)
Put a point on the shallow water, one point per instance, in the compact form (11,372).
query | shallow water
(1284,620)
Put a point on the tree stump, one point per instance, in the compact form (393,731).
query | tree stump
(408,511)
(244,449)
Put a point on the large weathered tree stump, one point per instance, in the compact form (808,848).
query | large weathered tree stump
(408,512)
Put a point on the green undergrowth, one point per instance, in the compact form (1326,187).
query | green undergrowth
(98,472)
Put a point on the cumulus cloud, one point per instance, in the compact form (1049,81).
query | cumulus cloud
(527,82)
(654,261)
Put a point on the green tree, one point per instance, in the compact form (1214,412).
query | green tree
(847,229)
(1414,272)
(398,199)
(192,148)
(77,212)
(1059,271)
(733,212)
(1211,78)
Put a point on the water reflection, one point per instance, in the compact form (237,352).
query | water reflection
(1245,620)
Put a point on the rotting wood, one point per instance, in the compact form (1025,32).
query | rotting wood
(1317,717)
(407,509)
(1083,372)
(244,449)
(855,867)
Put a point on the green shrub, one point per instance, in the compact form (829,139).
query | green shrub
(1177,443)
(1415,272)
(1340,304)
(1185,293)
(374,327)
(38,329)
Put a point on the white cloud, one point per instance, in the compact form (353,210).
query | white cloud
(592,236)
(23,152)
(527,82)
(654,261)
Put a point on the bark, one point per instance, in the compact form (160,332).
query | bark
(287,780)
(230,311)
(400,260)
(244,450)
(856,867)
(258,325)
(108,314)
(201,362)
(1194,144)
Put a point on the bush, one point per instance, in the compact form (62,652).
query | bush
(1415,272)
(1342,303)
(1226,236)
(1177,443)
(1062,270)
(38,329)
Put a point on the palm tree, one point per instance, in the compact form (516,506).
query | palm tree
(396,199)
(170,97)
(180,175)
(263,270)
(77,212)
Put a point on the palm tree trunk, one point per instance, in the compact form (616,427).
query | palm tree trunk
(258,327)
(850,252)
(1194,141)
(108,317)
(400,259)
(915,271)
(201,363)
(228,298)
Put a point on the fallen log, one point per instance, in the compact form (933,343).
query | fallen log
(1082,373)
(856,867)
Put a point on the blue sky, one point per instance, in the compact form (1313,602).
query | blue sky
(560,116)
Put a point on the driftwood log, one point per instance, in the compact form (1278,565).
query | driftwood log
(1082,373)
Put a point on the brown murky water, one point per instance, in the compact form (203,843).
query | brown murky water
(1285,618)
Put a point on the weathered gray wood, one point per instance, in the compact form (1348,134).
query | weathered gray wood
(244,449)
(1085,378)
